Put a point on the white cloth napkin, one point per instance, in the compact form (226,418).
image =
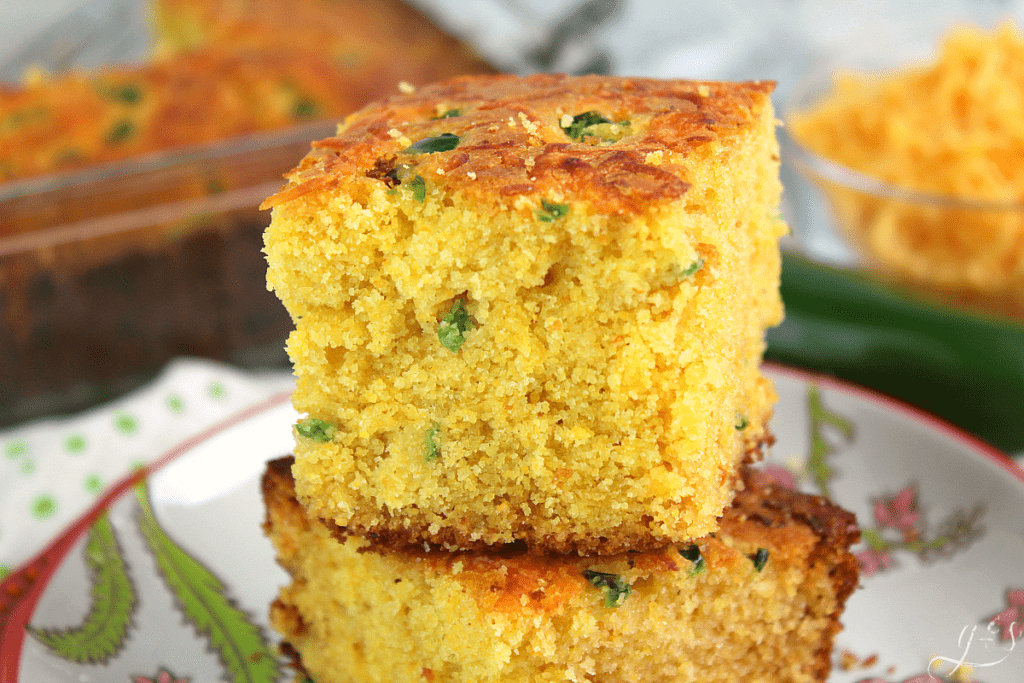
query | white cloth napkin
(51,471)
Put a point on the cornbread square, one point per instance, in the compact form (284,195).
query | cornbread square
(758,602)
(533,309)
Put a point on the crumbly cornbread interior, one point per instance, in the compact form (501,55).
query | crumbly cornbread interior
(614,291)
(355,612)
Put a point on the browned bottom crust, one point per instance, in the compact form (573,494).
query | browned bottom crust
(389,532)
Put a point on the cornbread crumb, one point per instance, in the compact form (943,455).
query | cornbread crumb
(530,126)
(406,87)
(356,611)
(577,328)
(850,661)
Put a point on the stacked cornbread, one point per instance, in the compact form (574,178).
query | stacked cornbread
(529,319)
(757,602)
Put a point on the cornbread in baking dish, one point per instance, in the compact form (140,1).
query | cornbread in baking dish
(64,121)
(387,41)
(758,602)
(54,123)
(533,309)
(224,68)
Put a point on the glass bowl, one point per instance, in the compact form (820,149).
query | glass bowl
(963,249)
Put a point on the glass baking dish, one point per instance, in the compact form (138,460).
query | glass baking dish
(108,273)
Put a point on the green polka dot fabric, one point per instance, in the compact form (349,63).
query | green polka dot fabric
(52,471)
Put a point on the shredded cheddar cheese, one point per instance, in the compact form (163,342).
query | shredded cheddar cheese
(954,127)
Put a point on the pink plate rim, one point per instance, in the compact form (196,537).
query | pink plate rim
(909,412)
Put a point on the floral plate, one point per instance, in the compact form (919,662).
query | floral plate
(168,577)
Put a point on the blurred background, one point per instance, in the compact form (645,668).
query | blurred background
(130,233)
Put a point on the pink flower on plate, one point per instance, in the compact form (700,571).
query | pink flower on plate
(1011,619)
(163,676)
(900,511)
(873,561)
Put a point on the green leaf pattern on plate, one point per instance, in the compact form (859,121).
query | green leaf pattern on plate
(242,648)
(56,469)
(821,449)
(102,634)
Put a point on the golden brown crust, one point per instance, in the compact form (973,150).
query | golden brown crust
(278,488)
(772,507)
(512,143)
(386,38)
(775,507)
(281,506)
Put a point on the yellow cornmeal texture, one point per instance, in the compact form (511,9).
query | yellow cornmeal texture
(354,613)
(951,127)
(618,287)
